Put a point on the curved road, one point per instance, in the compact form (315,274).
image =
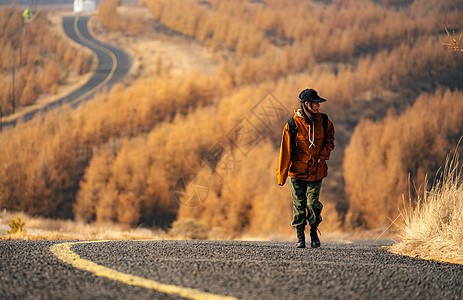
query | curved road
(218,269)
(113,65)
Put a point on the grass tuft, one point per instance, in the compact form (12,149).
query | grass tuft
(16,226)
(433,229)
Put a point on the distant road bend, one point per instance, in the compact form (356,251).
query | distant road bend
(113,65)
(219,270)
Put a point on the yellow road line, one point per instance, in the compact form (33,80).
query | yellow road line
(110,53)
(63,252)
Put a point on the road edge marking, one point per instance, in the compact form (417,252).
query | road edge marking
(63,252)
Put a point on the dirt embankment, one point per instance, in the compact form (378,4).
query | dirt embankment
(154,52)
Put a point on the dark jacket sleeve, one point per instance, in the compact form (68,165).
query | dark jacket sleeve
(328,144)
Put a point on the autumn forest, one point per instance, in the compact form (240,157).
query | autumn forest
(135,154)
(33,60)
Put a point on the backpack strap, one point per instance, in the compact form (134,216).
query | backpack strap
(325,126)
(293,132)
(324,123)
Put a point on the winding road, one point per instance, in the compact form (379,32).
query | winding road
(208,269)
(219,270)
(113,65)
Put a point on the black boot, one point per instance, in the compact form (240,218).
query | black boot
(300,238)
(315,241)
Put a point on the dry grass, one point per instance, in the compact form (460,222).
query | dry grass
(433,229)
(38,228)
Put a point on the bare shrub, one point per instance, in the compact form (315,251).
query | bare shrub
(190,229)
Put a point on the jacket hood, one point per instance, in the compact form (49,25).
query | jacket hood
(298,113)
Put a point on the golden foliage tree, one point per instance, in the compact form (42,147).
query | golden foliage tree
(51,77)
(82,62)
(382,155)
(107,14)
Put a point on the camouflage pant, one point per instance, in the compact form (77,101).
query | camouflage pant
(306,206)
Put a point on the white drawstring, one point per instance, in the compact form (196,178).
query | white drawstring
(313,137)
(312,141)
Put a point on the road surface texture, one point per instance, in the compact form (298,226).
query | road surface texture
(233,269)
(113,65)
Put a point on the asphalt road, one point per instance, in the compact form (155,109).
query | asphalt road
(113,65)
(244,270)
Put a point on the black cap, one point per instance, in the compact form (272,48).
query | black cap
(310,95)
